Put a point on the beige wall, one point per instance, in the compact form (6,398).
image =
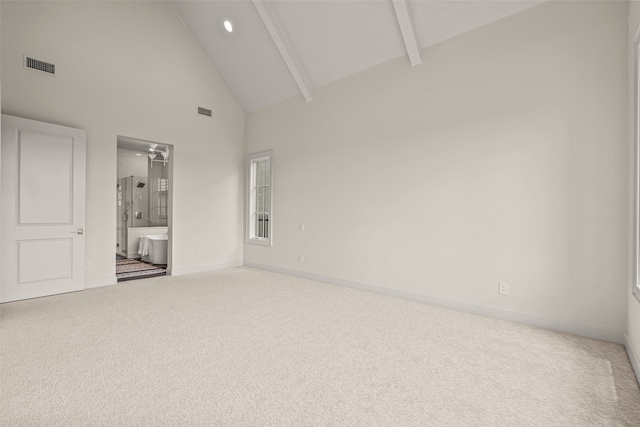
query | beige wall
(503,157)
(633,313)
(132,69)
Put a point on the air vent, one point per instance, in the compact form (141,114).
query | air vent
(205,112)
(38,65)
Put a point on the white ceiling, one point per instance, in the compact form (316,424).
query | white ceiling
(325,40)
(135,144)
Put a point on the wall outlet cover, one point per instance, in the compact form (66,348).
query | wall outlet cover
(503,289)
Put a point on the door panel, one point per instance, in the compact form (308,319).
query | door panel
(43,194)
(45,260)
(45,186)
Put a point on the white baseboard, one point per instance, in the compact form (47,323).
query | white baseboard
(559,325)
(201,268)
(104,281)
(633,356)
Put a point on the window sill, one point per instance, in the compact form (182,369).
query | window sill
(259,242)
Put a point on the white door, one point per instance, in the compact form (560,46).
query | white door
(42,217)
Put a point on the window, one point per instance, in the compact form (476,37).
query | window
(159,201)
(636,263)
(260,192)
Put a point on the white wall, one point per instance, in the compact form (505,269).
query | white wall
(132,68)
(633,309)
(503,157)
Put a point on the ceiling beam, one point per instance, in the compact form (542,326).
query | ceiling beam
(282,43)
(406,28)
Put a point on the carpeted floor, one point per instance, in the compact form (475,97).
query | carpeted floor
(241,347)
(132,269)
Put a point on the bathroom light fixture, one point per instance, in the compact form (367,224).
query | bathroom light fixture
(154,150)
(228,26)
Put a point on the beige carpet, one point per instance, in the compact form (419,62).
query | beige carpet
(242,347)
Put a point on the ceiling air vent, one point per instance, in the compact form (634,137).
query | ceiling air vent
(205,112)
(38,65)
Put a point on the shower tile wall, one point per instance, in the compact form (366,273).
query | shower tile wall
(132,164)
(129,164)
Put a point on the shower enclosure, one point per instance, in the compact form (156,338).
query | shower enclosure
(133,208)
(142,202)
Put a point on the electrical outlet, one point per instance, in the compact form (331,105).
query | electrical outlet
(301,227)
(196,254)
(300,258)
(504,289)
(87,265)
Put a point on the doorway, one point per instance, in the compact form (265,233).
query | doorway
(143,211)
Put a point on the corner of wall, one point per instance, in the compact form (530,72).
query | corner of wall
(98,283)
(633,356)
(558,325)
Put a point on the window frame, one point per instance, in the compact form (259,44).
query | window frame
(636,182)
(252,160)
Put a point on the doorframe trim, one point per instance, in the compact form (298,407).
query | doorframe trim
(172,150)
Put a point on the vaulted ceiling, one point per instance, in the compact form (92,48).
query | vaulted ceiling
(284,48)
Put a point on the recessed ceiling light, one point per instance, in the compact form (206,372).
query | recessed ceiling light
(138,154)
(228,26)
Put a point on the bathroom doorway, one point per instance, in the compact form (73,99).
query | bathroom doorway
(143,208)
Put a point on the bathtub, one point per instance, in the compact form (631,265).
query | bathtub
(153,248)
(133,238)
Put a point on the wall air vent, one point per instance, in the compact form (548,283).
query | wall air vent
(36,64)
(205,112)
